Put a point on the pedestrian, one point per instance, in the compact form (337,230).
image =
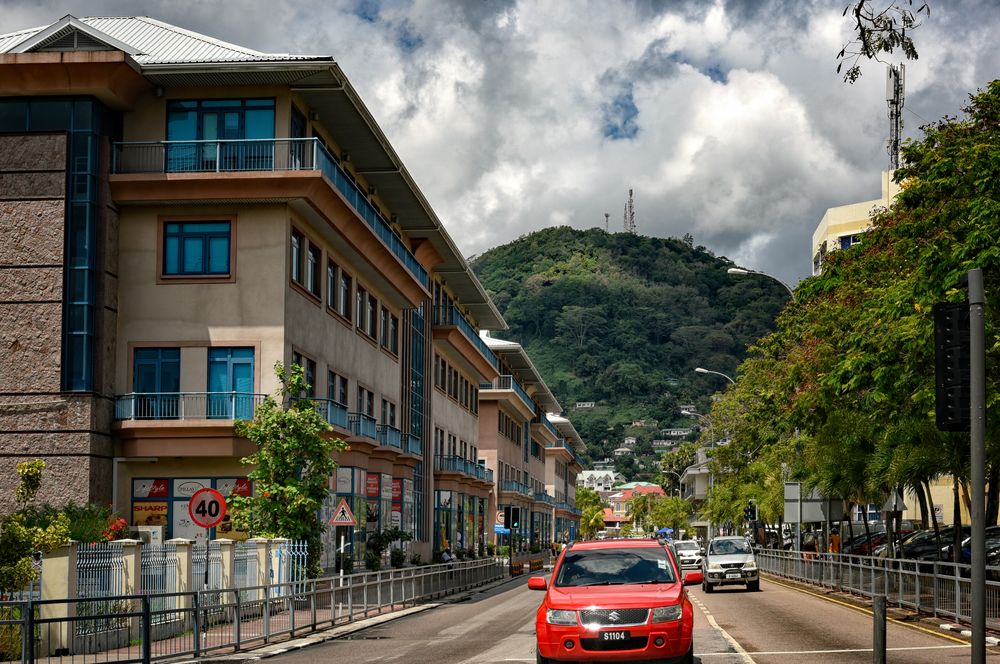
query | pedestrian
(446,556)
(835,541)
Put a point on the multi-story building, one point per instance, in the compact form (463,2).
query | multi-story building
(562,467)
(178,215)
(515,435)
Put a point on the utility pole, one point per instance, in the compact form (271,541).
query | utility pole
(894,95)
(977,402)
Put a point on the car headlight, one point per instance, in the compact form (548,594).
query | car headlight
(750,565)
(714,567)
(560,617)
(663,614)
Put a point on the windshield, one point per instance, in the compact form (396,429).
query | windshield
(687,545)
(728,547)
(606,567)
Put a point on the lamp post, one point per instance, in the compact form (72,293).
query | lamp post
(740,270)
(717,373)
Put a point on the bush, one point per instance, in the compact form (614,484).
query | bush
(346,563)
(491,549)
(470,553)
(10,634)
(397,557)
(415,559)
(373,561)
(460,554)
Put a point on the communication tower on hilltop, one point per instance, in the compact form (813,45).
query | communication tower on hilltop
(607,215)
(894,95)
(629,220)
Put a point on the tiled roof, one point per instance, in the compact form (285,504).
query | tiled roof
(154,41)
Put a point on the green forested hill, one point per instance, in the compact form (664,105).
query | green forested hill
(623,320)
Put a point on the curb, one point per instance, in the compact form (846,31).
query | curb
(333,633)
(990,640)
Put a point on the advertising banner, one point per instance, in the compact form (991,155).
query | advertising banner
(149,513)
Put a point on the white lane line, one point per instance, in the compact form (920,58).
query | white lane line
(744,655)
(849,650)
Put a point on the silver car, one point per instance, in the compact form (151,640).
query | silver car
(729,561)
(689,554)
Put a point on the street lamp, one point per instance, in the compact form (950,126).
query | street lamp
(717,373)
(740,270)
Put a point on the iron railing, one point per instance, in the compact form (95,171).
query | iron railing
(413,445)
(516,487)
(271,154)
(507,382)
(542,497)
(451,316)
(457,464)
(362,425)
(937,588)
(226,620)
(187,405)
(389,436)
(333,412)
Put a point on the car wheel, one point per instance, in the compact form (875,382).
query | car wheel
(753,586)
(541,660)
(706,586)
(688,657)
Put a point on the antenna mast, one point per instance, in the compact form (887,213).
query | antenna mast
(629,218)
(607,215)
(894,95)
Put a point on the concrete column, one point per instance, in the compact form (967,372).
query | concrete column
(228,550)
(132,562)
(185,583)
(279,572)
(263,564)
(58,582)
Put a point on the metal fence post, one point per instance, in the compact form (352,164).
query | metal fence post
(145,633)
(878,626)
(195,606)
(28,634)
(238,619)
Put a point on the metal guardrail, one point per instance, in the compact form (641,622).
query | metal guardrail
(270,154)
(226,620)
(187,405)
(932,587)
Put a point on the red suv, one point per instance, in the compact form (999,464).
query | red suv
(615,600)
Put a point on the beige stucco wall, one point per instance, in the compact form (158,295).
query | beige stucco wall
(852,218)
(446,414)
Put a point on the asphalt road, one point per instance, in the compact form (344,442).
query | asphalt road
(777,625)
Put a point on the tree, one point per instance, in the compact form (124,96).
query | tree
(879,31)
(591,521)
(587,497)
(291,467)
(20,540)
(670,512)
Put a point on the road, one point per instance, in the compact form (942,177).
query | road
(779,625)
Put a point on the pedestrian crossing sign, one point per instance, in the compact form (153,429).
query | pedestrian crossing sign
(343,516)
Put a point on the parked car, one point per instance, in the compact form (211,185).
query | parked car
(992,547)
(729,561)
(616,599)
(925,544)
(689,554)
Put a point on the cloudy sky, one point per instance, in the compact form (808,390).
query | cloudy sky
(726,117)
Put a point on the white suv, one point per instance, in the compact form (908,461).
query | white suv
(729,561)
(689,554)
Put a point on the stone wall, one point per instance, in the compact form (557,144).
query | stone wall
(70,432)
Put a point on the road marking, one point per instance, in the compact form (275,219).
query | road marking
(744,655)
(850,650)
(868,612)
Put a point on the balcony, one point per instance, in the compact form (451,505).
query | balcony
(412,444)
(507,382)
(567,507)
(512,486)
(362,425)
(548,425)
(561,444)
(333,412)
(456,464)
(261,155)
(389,436)
(187,405)
(542,497)
(450,316)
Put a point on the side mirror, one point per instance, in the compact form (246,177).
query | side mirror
(537,583)
(693,576)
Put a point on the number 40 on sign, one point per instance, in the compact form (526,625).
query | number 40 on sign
(207,508)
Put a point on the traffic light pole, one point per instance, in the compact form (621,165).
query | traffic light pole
(977,403)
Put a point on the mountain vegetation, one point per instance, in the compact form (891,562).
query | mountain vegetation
(622,320)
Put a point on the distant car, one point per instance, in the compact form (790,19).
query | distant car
(689,554)
(729,561)
(620,600)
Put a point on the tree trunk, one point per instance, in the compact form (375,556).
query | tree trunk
(922,501)
(868,532)
(957,517)
(937,528)
(850,523)
(993,495)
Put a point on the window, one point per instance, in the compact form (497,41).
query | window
(371,312)
(389,331)
(308,370)
(298,242)
(359,309)
(344,301)
(230,383)
(156,382)
(313,258)
(388,413)
(336,388)
(222,125)
(438,442)
(366,401)
(332,285)
(196,248)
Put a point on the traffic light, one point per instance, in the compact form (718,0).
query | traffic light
(506,516)
(515,518)
(951,365)
(751,511)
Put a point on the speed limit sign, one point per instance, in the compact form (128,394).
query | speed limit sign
(207,508)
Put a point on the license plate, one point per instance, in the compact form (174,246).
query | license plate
(611,637)
(732,575)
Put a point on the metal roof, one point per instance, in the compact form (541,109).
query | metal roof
(515,355)
(169,56)
(569,432)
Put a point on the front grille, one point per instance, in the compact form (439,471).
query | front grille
(731,565)
(634,643)
(605,618)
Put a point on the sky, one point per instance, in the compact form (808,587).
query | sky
(726,118)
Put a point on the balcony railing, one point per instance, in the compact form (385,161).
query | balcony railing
(563,444)
(457,464)
(412,443)
(548,425)
(450,315)
(389,436)
(506,382)
(270,154)
(362,425)
(333,412)
(568,507)
(516,487)
(187,405)
(542,497)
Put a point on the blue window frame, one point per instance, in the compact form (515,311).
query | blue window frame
(223,123)
(196,248)
(230,383)
(156,381)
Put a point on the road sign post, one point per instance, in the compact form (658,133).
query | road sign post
(207,509)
